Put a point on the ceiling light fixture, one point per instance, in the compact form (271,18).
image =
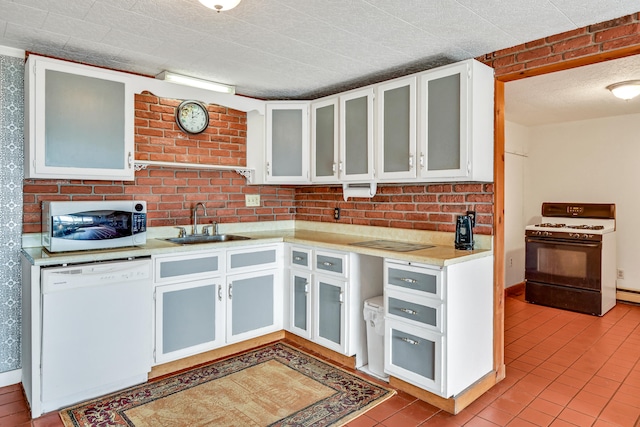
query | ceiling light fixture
(192,81)
(219,5)
(625,90)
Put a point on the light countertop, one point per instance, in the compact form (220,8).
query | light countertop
(324,235)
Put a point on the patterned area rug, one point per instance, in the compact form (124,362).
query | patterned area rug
(273,386)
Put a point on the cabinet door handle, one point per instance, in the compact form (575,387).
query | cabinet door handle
(408,311)
(408,280)
(327,264)
(411,162)
(410,341)
(268,170)
(333,167)
(306,287)
(230,290)
(421,160)
(341,297)
(297,258)
(130,159)
(340,166)
(219,292)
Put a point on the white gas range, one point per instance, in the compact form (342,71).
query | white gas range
(571,257)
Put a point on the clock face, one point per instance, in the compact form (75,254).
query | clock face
(192,116)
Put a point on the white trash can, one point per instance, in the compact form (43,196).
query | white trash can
(374,318)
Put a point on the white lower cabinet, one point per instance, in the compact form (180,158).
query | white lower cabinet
(189,319)
(254,305)
(439,324)
(205,300)
(326,295)
(414,354)
(331,300)
(300,303)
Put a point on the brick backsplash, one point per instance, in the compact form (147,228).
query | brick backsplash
(587,41)
(416,206)
(171,193)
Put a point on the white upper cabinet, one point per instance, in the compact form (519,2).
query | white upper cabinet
(287,142)
(78,121)
(324,141)
(396,137)
(356,136)
(456,122)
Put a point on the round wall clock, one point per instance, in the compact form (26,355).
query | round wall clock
(192,116)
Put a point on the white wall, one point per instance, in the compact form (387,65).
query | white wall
(516,145)
(595,161)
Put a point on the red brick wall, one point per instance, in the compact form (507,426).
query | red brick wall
(588,41)
(417,206)
(172,193)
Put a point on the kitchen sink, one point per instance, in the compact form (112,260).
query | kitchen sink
(192,240)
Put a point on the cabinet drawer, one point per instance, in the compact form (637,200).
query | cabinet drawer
(300,258)
(190,266)
(414,355)
(253,258)
(417,279)
(420,311)
(331,262)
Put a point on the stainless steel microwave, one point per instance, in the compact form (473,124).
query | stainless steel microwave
(87,225)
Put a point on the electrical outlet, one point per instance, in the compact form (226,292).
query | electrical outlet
(252,200)
(620,274)
(336,213)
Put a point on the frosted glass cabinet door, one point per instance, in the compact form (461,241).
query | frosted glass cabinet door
(189,319)
(356,136)
(414,355)
(287,127)
(324,141)
(252,305)
(397,129)
(301,304)
(444,119)
(329,313)
(80,121)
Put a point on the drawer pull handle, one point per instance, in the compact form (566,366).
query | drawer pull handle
(327,264)
(408,311)
(408,280)
(410,341)
(297,258)
(219,292)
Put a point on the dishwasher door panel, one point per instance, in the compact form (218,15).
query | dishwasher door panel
(96,338)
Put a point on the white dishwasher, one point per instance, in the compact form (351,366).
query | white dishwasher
(96,329)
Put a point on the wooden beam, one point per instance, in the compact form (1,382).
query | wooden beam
(498,233)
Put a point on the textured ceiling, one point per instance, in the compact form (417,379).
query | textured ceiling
(289,48)
(570,95)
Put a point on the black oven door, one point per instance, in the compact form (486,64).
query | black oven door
(564,262)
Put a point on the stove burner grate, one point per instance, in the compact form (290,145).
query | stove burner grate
(551,225)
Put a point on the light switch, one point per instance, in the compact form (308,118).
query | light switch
(252,200)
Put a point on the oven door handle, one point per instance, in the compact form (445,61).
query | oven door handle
(582,244)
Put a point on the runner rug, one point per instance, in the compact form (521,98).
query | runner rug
(273,386)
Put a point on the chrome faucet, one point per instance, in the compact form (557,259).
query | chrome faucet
(195,216)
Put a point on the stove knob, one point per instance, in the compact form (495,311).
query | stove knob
(585,236)
(546,233)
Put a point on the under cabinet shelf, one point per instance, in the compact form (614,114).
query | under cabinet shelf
(245,172)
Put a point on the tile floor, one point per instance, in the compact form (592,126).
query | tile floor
(563,369)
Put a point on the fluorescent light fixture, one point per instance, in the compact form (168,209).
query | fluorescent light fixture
(625,90)
(219,5)
(192,81)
